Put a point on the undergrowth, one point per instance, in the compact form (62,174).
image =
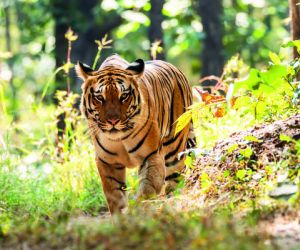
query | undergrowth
(47,181)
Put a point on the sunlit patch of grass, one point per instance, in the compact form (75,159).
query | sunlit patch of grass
(132,181)
(34,183)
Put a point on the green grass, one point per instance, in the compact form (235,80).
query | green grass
(36,183)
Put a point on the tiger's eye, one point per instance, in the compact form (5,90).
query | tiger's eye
(124,96)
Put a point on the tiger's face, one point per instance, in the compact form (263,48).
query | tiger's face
(111,96)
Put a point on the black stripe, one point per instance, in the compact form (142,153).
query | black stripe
(136,107)
(85,108)
(126,136)
(172,163)
(89,100)
(116,180)
(172,112)
(147,120)
(104,162)
(119,167)
(191,143)
(135,112)
(180,75)
(101,79)
(173,139)
(141,141)
(175,151)
(91,111)
(173,176)
(117,74)
(147,157)
(104,149)
(84,102)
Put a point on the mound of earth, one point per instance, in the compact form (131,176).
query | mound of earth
(253,149)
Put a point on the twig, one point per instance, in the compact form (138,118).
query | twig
(212,77)
(69,62)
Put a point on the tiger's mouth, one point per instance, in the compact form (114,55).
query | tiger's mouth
(113,129)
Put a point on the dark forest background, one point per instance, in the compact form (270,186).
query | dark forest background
(197,36)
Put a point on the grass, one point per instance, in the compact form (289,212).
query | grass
(164,230)
(36,183)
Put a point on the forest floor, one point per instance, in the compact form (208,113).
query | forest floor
(239,195)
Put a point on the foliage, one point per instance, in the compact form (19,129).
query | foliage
(263,94)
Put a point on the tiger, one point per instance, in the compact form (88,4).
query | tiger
(131,110)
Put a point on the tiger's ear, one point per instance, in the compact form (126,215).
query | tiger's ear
(137,67)
(83,70)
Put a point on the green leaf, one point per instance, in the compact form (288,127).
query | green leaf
(286,138)
(205,182)
(183,121)
(67,66)
(274,58)
(250,82)
(252,138)
(226,173)
(204,177)
(295,43)
(242,102)
(247,152)
(273,77)
(261,107)
(188,161)
(240,174)
(232,148)
(264,82)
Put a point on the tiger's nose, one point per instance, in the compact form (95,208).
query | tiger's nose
(113,121)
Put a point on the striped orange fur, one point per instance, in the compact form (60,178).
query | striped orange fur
(131,111)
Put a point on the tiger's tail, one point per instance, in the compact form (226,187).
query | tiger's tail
(191,142)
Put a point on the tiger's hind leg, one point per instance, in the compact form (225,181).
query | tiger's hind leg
(174,175)
(175,159)
(152,176)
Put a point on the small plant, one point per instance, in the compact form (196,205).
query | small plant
(71,37)
(102,44)
(155,49)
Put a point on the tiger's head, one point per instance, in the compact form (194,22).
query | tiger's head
(111,97)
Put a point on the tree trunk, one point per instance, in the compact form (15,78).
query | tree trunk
(82,20)
(212,56)
(10,61)
(79,15)
(155,32)
(295,25)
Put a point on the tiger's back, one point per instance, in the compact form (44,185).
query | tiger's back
(172,95)
(156,94)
